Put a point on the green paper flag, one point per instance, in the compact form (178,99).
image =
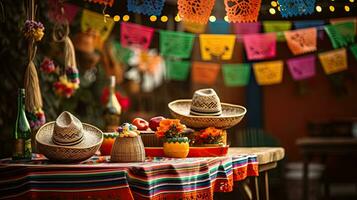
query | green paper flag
(277,26)
(353,49)
(341,34)
(177,70)
(121,53)
(176,44)
(236,74)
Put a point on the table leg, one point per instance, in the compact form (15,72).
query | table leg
(256,185)
(266,185)
(305,188)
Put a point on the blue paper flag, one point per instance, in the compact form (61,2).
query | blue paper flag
(146,7)
(290,8)
(219,27)
(308,23)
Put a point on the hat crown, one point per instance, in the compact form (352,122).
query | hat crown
(205,102)
(68,130)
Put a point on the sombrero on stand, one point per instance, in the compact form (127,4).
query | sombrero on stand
(205,110)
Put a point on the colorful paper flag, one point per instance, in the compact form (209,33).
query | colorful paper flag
(246,28)
(176,44)
(147,7)
(95,21)
(205,73)
(236,74)
(195,11)
(194,27)
(278,27)
(242,11)
(308,23)
(353,49)
(341,34)
(291,8)
(103,2)
(219,27)
(177,70)
(218,46)
(334,61)
(260,46)
(268,73)
(55,13)
(135,34)
(121,53)
(302,67)
(301,40)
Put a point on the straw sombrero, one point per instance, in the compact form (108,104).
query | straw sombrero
(68,140)
(205,110)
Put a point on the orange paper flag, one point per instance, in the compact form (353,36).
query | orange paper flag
(242,11)
(334,61)
(214,45)
(268,73)
(194,10)
(205,73)
(301,40)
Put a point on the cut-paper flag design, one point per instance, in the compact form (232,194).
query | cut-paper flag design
(334,61)
(341,34)
(146,7)
(246,28)
(195,10)
(205,73)
(302,67)
(278,27)
(236,74)
(95,21)
(177,70)
(55,15)
(103,2)
(219,27)
(217,46)
(194,27)
(260,46)
(308,23)
(291,8)
(242,10)
(135,34)
(353,49)
(268,73)
(176,44)
(301,40)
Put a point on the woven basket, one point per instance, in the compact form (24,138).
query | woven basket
(150,140)
(128,149)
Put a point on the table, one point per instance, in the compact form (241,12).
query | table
(322,146)
(156,178)
(267,158)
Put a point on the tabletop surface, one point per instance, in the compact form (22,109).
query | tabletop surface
(264,154)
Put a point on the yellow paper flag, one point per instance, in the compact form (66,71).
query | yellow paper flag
(334,61)
(95,21)
(219,46)
(194,27)
(268,73)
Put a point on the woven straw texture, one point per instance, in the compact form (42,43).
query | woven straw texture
(92,139)
(128,149)
(150,140)
(231,115)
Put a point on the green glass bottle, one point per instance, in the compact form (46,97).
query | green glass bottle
(22,131)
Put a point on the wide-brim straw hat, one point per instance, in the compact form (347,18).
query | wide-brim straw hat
(85,148)
(198,114)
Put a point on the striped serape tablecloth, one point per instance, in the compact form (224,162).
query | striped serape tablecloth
(97,178)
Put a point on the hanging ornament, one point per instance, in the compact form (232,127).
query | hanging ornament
(195,10)
(242,11)
(291,8)
(47,66)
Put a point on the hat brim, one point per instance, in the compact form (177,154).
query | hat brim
(92,139)
(231,115)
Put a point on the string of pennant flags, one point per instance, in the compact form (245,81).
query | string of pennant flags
(258,46)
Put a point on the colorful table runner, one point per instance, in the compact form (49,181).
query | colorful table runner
(97,178)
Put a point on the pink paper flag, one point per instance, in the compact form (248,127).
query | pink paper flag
(302,67)
(135,34)
(260,46)
(55,15)
(246,28)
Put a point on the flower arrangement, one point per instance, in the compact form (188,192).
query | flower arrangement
(48,66)
(36,119)
(64,87)
(211,135)
(170,128)
(33,30)
(127,130)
